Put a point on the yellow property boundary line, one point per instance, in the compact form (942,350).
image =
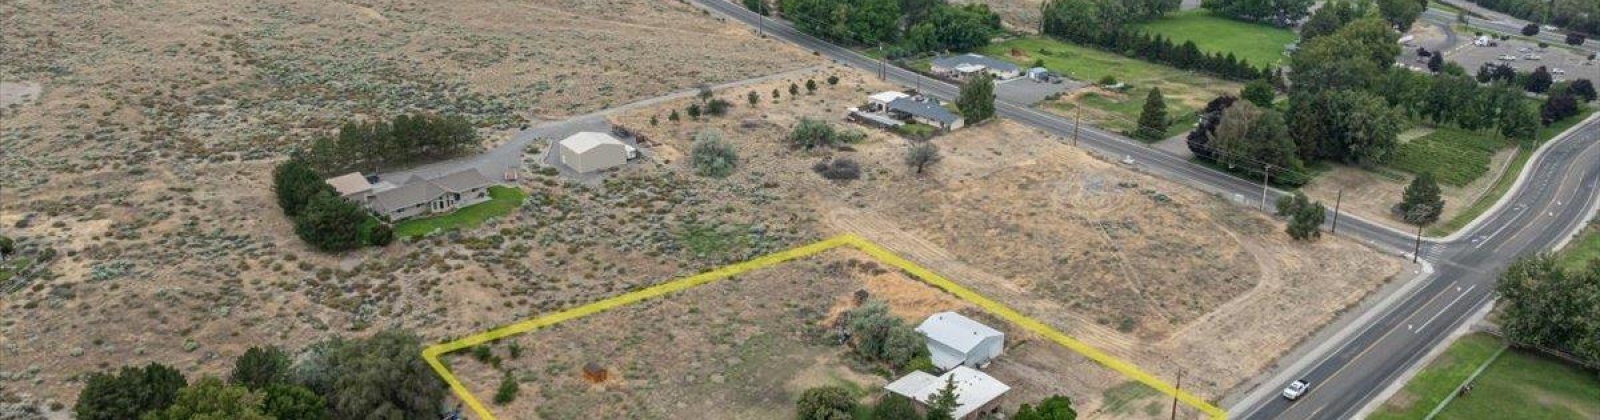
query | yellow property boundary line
(432,353)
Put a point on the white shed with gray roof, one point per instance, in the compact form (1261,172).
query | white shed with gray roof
(955,340)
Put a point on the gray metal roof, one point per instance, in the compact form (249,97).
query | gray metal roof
(406,196)
(924,109)
(462,180)
(956,331)
(956,60)
(417,190)
(974,389)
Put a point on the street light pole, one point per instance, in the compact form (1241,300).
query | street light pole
(1076,122)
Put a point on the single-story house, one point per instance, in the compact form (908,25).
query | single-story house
(961,67)
(590,151)
(977,393)
(955,340)
(416,196)
(925,111)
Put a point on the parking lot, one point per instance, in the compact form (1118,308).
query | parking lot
(1525,56)
(1026,91)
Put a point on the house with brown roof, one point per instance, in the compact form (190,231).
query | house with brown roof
(416,196)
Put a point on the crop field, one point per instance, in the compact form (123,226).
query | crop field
(1260,45)
(1455,157)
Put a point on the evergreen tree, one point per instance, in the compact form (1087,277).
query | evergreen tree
(811,86)
(1422,203)
(976,100)
(1306,223)
(1153,119)
(260,367)
(794,89)
(294,183)
(1584,90)
(944,403)
(752,97)
(1436,63)
(329,223)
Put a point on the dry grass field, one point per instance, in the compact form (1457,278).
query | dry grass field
(1144,268)
(138,139)
(744,348)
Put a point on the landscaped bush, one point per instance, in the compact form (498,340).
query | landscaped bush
(825,403)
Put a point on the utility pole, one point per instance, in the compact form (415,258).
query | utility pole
(1336,202)
(761,20)
(1178,386)
(1266,179)
(1076,122)
(1418,248)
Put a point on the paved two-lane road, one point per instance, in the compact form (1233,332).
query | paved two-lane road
(1556,197)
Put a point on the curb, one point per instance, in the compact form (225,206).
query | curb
(1521,179)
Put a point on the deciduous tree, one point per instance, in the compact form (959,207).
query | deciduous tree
(976,100)
(1056,407)
(1259,92)
(921,155)
(825,403)
(260,367)
(129,393)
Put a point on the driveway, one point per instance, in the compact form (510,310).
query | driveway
(1025,91)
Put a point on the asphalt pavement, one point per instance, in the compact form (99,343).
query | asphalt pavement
(1553,198)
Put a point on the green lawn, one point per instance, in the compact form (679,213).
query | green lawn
(1457,157)
(502,201)
(1186,92)
(1440,378)
(1261,45)
(1582,250)
(1518,385)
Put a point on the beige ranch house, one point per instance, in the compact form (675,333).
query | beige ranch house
(416,196)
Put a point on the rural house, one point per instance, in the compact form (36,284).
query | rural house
(417,196)
(925,111)
(590,151)
(955,340)
(963,67)
(977,393)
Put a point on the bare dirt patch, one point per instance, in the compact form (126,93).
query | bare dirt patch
(1371,195)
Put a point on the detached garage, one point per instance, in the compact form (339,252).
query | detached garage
(590,151)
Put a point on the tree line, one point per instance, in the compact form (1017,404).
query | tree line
(1545,306)
(906,27)
(1102,24)
(1348,103)
(407,139)
(377,377)
(1574,15)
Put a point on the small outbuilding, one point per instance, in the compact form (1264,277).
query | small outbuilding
(955,340)
(977,393)
(590,151)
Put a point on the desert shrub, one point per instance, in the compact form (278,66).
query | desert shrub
(129,393)
(718,107)
(833,80)
(260,367)
(881,337)
(811,133)
(825,403)
(507,392)
(841,169)
(712,157)
(7,246)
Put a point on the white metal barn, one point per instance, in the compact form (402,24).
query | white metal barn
(955,340)
(590,151)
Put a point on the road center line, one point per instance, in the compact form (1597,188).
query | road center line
(1445,308)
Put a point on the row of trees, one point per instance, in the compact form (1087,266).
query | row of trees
(408,139)
(1280,13)
(321,218)
(1077,21)
(377,377)
(1574,15)
(909,26)
(1546,306)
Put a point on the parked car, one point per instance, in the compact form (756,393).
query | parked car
(1558,71)
(1296,389)
(632,152)
(1508,57)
